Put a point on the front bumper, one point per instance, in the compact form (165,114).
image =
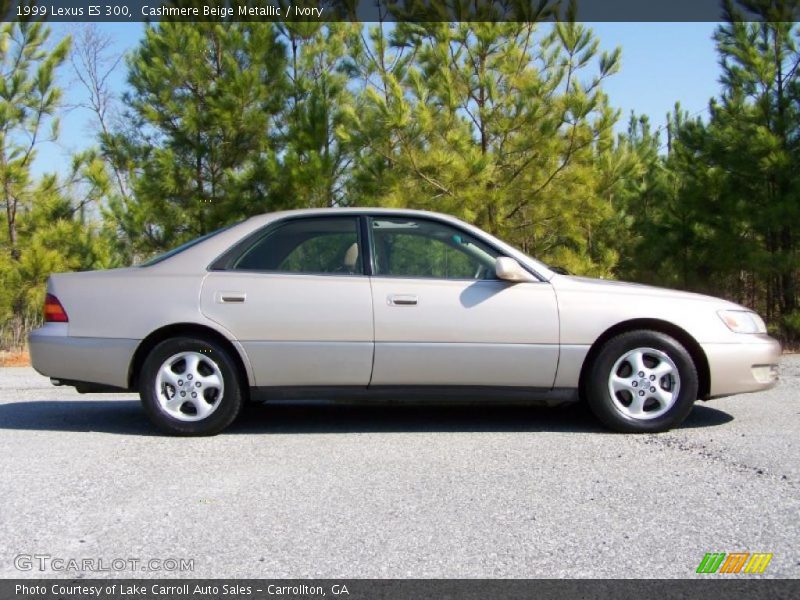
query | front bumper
(56,354)
(750,366)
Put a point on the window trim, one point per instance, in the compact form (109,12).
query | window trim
(225,262)
(221,263)
(368,255)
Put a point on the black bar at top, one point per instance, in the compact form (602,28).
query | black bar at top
(398,10)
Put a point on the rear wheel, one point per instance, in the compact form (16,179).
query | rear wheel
(190,386)
(642,381)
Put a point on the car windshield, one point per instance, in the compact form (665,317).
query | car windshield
(185,246)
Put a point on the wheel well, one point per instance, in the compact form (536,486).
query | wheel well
(183,329)
(686,340)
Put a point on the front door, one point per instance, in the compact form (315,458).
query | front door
(442,317)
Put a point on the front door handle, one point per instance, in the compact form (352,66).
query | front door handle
(402,300)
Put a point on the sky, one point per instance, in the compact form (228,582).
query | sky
(662,63)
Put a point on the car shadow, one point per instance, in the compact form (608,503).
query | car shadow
(126,417)
(480,291)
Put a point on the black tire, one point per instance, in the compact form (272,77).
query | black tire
(612,412)
(226,406)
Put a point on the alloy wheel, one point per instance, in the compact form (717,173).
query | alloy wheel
(644,383)
(189,386)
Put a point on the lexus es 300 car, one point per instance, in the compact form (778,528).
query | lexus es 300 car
(372,303)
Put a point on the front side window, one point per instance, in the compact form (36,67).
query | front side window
(420,248)
(328,245)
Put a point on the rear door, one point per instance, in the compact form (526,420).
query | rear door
(442,317)
(298,301)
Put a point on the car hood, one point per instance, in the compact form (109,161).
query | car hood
(604,286)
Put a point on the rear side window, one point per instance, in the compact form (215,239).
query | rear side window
(328,245)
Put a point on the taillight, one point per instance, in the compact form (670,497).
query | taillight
(53,311)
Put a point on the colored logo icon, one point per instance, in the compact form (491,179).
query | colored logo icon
(735,562)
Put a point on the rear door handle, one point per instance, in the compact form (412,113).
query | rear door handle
(402,300)
(231,297)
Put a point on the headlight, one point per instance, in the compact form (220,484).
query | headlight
(742,321)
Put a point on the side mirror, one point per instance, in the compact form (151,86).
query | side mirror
(509,269)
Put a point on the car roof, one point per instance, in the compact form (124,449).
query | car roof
(350,210)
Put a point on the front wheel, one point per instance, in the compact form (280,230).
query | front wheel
(189,386)
(642,381)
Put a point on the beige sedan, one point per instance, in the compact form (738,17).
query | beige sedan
(376,303)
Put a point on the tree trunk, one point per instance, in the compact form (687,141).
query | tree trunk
(11,220)
(788,280)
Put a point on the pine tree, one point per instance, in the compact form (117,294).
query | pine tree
(753,138)
(499,123)
(207,101)
(317,158)
(28,101)
(720,208)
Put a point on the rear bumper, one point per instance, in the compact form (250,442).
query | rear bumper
(97,360)
(751,366)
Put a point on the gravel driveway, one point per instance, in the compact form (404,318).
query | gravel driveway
(390,491)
